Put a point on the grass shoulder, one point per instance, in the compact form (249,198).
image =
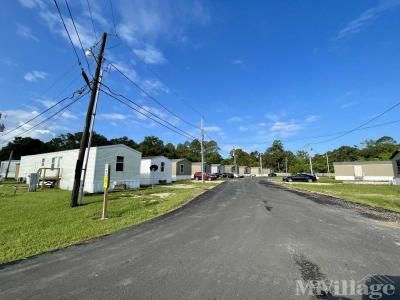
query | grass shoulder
(33,223)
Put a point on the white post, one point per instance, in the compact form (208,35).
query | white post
(309,156)
(327,161)
(202,150)
(261,168)
(82,186)
(286,164)
(106,185)
(234,160)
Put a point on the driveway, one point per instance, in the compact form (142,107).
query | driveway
(246,239)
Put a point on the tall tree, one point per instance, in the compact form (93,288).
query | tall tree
(151,145)
(22,146)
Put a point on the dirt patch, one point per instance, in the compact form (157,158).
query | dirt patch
(162,195)
(181,186)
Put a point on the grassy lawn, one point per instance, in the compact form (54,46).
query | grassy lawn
(386,196)
(32,223)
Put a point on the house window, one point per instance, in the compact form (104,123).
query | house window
(119,167)
(43,161)
(162,167)
(53,162)
(181,168)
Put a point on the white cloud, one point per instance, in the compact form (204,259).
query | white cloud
(366,17)
(348,104)
(32,3)
(311,118)
(47,103)
(155,86)
(35,75)
(243,128)
(68,115)
(236,119)
(11,64)
(284,128)
(212,129)
(237,61)
(150,55)
(112,116)
(26,33)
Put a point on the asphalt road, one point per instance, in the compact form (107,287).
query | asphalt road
(247,239)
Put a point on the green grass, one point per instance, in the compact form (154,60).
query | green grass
(386,196)
(33,223)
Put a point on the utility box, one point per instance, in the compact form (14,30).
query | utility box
(33,182)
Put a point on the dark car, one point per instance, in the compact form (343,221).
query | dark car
(272,175)
(227,175)
(207,176)
(301,177)
(218,175)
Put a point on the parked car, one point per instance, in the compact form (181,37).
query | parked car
(227,175)
(236,175)
(272,175)
(300,177)
(207,176)
(218,175)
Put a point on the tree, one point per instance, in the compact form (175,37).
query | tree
(124,141)
(275,155)
(71,141)
(169,151)
(151,146)
(22,146)
(211,150)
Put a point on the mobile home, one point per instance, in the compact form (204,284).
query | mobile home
(374,171)
(12,171)
(163,174)
(217,168)
(244,170)
(231,169)
(60,166)
(196,167)
(181,169)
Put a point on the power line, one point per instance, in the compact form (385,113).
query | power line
(77,34)
(51,116)
(81,90)
(69,36)
(150,96)
(113,19)
(140,109)
(91,18)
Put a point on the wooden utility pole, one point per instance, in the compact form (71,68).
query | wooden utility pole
(327,161)
(261,168)
(309,156)
(9,163)
(85,134)
(286,164)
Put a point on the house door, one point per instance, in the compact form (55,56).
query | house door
(358,172)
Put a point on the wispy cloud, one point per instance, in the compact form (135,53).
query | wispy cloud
(237,61)
(150,55)
(238,119)
(46,103)
(33,76)
(8,62)
(112,116)
(26,33)
(284,129)
(311,118)
(348,104)
(365,18)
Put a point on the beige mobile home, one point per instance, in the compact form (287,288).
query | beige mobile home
(181,169)
(217,168)
(244,170)
(231,169)
(60,166)
(196,167)
(255,171)
(376,171)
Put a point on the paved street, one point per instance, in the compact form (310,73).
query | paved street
(247,239)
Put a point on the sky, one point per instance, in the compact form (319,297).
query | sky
(256,70)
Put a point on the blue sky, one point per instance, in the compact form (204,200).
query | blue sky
(256,70)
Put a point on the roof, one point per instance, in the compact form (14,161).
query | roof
(154,156)
(394,154)
(368,162)
(97,147)
(199,162)
(179,159)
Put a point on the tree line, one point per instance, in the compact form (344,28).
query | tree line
(275,157)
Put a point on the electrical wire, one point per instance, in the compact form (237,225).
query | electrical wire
(148,95)
(91,18)
(80,90)
(113,19)
(77,34)
(140,110)
(69,36)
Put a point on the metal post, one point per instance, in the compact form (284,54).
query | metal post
(309,156)
(82,185)
(202,150)
(106,185)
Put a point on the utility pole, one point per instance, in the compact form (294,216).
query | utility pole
(9,163)
(202,149)
(286,164)
(234,160)
(309,156)
(82,187)
(278,166)
(261,168)
(2,126)
(327,161)
(85,134)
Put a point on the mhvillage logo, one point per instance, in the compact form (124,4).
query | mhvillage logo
(369,287)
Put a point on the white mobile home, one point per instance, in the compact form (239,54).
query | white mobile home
(124,162)
(163,173)
(217,168)
(12,171)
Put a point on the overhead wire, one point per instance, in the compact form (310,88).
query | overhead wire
(91,18)
(113,19)
(140,109)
